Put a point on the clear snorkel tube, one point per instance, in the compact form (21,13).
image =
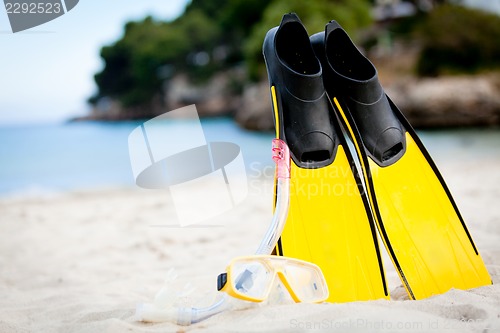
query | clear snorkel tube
(187,316)
(281,156)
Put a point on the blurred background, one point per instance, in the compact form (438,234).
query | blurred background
(74,88)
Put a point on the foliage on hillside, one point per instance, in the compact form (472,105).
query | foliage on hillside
(211,35)
(456,39)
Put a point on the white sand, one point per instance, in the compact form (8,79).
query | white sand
(80,262)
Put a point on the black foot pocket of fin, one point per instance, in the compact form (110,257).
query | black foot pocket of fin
(352,78)
(303,109)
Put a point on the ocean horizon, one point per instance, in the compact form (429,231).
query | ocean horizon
(53,158)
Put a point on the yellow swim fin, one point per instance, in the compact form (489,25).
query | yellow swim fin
(329,221)
(423,231)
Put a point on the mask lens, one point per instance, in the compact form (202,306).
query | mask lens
(306,281)
(251,279)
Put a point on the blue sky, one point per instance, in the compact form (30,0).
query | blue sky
(46,72)
(489,5)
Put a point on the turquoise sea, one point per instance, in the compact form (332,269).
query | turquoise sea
(92,155)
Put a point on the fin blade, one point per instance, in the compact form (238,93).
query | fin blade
(327,224)
(432,247)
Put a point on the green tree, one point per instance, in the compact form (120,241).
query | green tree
(130,72)
(151,51)
(132,64)
(458,39)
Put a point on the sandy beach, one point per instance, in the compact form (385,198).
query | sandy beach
(82,261)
